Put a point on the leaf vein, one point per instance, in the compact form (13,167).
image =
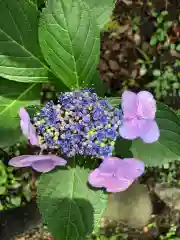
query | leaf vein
(20,96)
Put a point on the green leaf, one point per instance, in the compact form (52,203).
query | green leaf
(14,95)
(173,46)
(178,47)
(115,101)
(156,72)
(33,109)
(34,1)
(41,4)
(3,174)
(164,13)
(69,38)
(161,35)
(20,59)
(15,185)
(167,25)
(160,19)
(153,40)
(2,190)
(102,10)
(27,192)
(68,206)
(122,148)
(98,84)
(167,148)
(154,14)
(1,206)
(16,201)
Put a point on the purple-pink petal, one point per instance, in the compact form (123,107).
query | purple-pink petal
(109,165)
(43,166)
(24,115)
(95,179)
(41,163)
(130,168)
(33,138)
(147,130)
(129,104)
(146,105)
(118,186)
(131,129)
(25,121)
(21,161)
(152,133)
(57,160)
(27,127)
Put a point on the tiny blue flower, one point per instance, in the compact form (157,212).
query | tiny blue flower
(79,123)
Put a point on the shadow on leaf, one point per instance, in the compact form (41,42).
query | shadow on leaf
(122,148)
(67,218)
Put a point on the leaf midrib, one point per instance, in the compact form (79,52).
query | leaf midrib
(20,96)
(70,43)
(26,50)
(32,3)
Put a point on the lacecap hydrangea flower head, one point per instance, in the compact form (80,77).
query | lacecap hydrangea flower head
(79,123)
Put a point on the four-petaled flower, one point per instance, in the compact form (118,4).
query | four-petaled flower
(139,117)
(27,127)
(40,163)
(116,174)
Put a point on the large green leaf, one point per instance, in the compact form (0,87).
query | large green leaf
(97,84)
(41,3)
(167,148)
(20,56)
(69,38)
(69,207)
(34,1)
(14,95)
(102,10)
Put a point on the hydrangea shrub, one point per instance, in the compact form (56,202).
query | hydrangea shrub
(89,145)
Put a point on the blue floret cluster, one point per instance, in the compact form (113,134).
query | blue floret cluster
(79,123)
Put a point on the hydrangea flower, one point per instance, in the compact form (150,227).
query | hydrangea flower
(40,163)
(116,174)
(27,127)
(139,117)
(79,123)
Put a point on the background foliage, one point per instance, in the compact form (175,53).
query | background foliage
(61,44)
